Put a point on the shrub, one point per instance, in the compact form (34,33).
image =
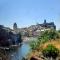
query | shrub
(50,51)
(44,37)
(33,45)
(52,34)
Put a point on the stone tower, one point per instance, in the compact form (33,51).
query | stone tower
(15,26)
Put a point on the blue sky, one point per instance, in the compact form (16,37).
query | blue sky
(29,12)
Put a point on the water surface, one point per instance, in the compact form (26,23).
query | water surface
(20,52)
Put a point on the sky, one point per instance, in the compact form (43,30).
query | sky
(29,12)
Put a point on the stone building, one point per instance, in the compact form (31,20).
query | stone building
(34,30)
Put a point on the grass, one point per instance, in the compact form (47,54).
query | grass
(55,43)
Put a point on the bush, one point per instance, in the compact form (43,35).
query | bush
(33,45)
(44,37)
(52,34)
(50,51)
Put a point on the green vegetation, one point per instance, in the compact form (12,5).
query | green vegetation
(48,35)
(44,37)
(50,51)
(33,45)
(59,31)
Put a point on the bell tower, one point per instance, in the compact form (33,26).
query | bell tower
(15,26)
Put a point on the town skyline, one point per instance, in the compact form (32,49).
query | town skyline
(29,25)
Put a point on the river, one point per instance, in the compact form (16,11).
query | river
(20,52)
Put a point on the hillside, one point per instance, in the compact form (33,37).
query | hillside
(47,38)
(56,43)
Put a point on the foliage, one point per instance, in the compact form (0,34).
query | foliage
(33,45)
(51,34)
(50,51)
(44,37)
(59,31)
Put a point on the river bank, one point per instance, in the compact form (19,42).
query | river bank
(19,52)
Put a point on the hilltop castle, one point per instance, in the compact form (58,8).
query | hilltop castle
(34,30)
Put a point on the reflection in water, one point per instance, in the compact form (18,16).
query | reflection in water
(20,53)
